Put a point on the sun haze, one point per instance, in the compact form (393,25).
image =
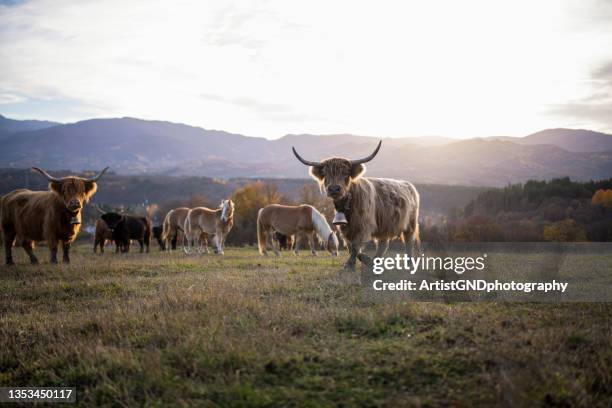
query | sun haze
(386,68)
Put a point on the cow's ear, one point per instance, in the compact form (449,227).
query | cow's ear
(317,173)
(90,188)
(357,171)
(56,187)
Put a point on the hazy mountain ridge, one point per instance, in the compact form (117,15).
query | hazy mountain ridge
(10,126)
(134,146)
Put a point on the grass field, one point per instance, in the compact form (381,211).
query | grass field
(242,330)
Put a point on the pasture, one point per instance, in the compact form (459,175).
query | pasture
(243,330)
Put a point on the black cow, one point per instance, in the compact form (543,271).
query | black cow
(284,241)
(157,234)
(127,227)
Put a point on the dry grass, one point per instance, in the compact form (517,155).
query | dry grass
(242,330)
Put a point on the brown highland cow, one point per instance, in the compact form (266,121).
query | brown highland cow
(53,216)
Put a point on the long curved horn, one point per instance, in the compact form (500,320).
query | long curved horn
(370,157)
(98,176)
(47,175)
(306,162)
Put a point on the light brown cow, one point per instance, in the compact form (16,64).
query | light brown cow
(375,208)
(102,234)
(303,220)
(204,220)
(53,216)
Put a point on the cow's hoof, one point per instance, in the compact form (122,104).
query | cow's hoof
(9,262)
(349,266)
(34,261)
(365,260)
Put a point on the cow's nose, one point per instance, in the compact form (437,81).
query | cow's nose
(333,189)
(74,205)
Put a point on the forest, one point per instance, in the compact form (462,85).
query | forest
(555,210)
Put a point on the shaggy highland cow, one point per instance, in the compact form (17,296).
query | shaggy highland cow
(53,216)
(371,208)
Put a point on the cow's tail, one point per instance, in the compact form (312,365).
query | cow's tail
(261,233)
(324,231)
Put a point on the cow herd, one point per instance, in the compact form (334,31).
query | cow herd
(366,209)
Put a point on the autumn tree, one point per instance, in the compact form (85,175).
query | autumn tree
(248,200)
(565,231)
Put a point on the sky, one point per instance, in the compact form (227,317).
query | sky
(273,67)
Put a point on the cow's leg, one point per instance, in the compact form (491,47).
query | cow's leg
(126,245)
(52,243)
(102,244)
(383,246)
(311,242)
(354,248)
(9,239)
(141,243)
(175,240)
(412,240)
(95,245)
(66,249)
(274,242)
(27,246)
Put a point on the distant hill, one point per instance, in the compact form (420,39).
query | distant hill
(10,126)
(134,146)
(573,140)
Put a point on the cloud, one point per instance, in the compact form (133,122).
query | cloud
(269,111)
(594,109)
(7,98)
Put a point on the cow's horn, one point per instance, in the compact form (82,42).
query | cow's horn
(370,157)
(98,176)
(44,173)
(306,162)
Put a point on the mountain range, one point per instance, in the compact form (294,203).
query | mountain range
(135,146)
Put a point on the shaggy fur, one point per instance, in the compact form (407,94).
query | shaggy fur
(127,227)
(303,220)
(204,220)
(102,234)
(378,209)
(52,216)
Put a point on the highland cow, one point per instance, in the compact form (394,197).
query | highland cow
(375,208)
(52,216)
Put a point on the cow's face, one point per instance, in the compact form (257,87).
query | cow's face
(112,219)
(336,175)
(74,191)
